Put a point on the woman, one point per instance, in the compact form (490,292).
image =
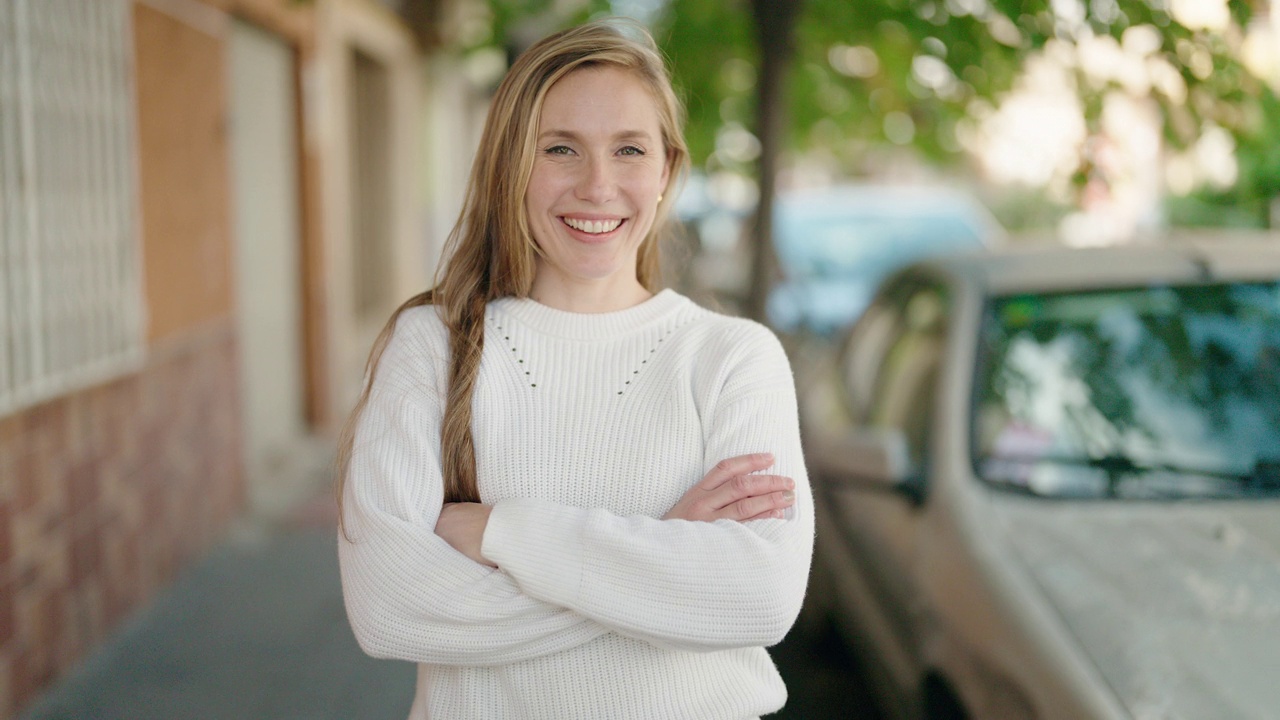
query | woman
(552,487)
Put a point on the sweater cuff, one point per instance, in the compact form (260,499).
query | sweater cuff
(533,542)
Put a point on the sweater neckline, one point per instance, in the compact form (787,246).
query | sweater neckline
(591,326)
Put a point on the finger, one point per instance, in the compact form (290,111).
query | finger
(758,504)
(745,486)
(770,515)
(731,467)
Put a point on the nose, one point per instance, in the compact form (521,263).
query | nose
(597,184)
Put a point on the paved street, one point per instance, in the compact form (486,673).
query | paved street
(257,631)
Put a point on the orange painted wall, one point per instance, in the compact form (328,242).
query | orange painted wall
(183,173)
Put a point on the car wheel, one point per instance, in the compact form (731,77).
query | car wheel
(941,701)
(817,614)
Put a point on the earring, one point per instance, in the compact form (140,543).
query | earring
(659,198)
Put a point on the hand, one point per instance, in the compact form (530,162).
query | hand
(462,526)
(730,492)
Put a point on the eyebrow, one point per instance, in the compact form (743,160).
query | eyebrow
(571,135)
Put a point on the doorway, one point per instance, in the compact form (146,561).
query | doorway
(268,267)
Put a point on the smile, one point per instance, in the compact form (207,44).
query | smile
(593,227)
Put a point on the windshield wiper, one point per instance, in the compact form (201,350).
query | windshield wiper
(1264,476)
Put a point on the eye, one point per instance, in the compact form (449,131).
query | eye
(631,150)
(558,150)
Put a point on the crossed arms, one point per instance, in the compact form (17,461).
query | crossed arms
(718,570)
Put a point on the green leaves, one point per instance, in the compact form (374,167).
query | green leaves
(908,73)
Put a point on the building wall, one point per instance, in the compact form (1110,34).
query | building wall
(107,493)
(296,23)
(184,171)
(361,43)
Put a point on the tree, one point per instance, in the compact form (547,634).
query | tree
(847,77)
(774,20)
(912,73)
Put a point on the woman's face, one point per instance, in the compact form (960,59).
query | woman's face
(599,167)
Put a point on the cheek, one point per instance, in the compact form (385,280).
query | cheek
(655,187)
(645,182)
(544,188)
(658,177)
(535,213)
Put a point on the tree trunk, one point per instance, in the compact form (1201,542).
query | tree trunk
(774,22)
(425,19)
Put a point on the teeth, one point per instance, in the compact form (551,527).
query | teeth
(595,227)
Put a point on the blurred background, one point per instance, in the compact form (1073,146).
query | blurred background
(208,208)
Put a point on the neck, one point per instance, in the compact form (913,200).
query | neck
(590,297)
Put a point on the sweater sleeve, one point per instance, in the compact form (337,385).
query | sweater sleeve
(674,583)
(409,595)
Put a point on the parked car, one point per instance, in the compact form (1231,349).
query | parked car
(1048,484)
(836,244)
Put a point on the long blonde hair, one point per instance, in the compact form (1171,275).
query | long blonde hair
(491,252)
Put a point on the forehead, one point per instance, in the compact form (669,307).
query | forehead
(591,96)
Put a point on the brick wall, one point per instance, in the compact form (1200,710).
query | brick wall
(104,495)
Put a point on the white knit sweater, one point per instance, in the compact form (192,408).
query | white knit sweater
(588,428)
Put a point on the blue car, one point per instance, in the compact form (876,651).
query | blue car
(835,245)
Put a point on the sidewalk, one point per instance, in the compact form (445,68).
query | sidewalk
(256,630)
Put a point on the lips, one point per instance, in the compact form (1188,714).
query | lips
(593,227)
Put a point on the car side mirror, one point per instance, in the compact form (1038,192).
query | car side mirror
(865,459)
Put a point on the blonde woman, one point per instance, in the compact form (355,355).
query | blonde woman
(565,492)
